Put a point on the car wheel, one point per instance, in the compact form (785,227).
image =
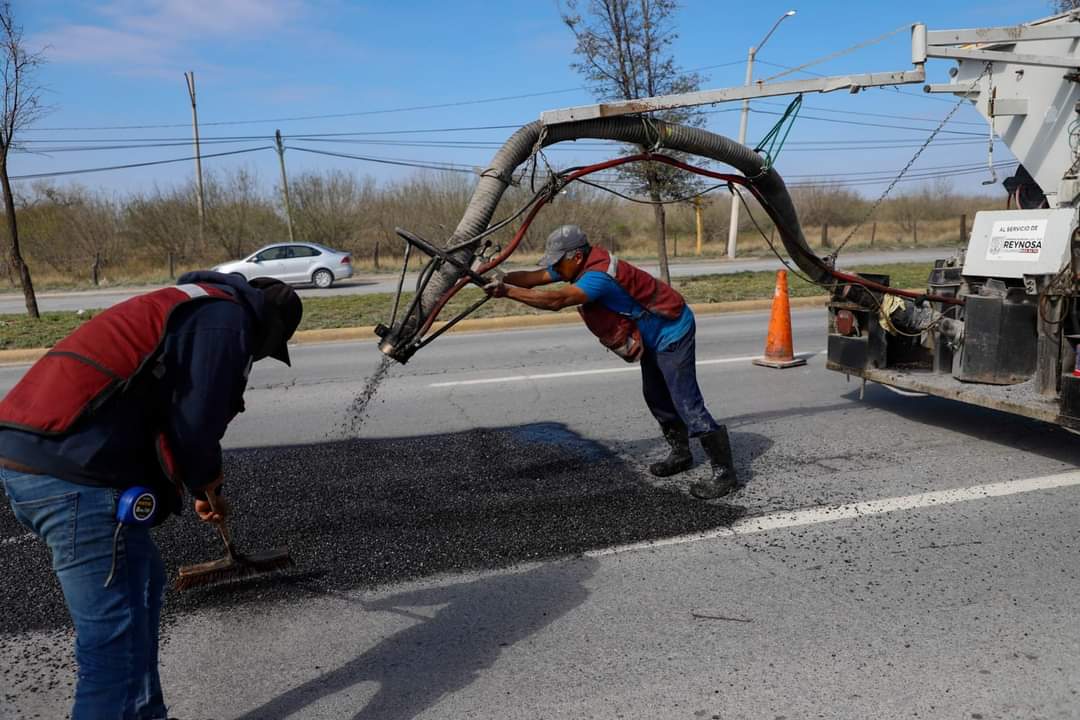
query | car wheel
(322,278)
(241,276)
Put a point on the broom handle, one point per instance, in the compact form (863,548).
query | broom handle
(212,498)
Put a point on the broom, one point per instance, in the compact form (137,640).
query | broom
(235,565)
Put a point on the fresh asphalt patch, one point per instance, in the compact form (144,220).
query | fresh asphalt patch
(368,512)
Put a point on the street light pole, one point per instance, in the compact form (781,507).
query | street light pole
(733,227)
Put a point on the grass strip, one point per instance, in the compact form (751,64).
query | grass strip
(20,331)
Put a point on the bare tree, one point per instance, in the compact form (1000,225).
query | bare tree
(327,208)
(1061,6)
(238,216)
(72,229)
(21,107)
(625,52)
(165,222)
(824,202)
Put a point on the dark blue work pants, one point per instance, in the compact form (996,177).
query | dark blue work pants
(669,383)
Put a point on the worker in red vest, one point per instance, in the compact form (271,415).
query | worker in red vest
(641,319)
(140,395)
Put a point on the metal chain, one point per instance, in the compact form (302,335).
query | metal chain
(873,208)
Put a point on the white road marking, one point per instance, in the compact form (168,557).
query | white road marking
(597,371)
(817,515)
(17,540)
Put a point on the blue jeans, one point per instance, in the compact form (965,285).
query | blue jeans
(116,627)
(669,383)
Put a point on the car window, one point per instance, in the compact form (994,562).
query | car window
(303,251)
(275,253)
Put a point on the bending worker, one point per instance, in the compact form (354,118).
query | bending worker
(639,318)
(140,395)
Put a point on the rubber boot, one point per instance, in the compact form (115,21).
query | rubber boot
(679,459)
(717,447)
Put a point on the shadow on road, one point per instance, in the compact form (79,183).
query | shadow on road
(436,657)
(992,426)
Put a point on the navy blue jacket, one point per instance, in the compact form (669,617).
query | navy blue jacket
(207,354)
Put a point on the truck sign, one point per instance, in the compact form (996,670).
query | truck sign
(1016,240)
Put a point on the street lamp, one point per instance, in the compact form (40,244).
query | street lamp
(733,228)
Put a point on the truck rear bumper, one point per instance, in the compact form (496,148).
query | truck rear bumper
(1018,399)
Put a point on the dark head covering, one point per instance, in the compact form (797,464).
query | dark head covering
(282,311)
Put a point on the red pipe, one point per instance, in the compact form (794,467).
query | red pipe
(615,162)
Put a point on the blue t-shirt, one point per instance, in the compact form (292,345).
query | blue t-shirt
(657,333)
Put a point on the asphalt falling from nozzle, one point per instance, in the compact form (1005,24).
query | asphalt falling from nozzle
(358,411)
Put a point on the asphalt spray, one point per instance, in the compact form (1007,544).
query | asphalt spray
(358,411)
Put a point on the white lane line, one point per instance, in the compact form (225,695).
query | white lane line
(597,371)
(824,514)
(17,540)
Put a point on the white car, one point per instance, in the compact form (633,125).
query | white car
(294,263)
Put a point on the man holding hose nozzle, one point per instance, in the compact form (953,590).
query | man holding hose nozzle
(639,318)
(130,408)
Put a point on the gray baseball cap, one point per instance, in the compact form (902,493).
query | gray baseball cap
(563,240)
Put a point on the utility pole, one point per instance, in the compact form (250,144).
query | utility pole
(700,222)
(733,228)
(190,78)
(285,186)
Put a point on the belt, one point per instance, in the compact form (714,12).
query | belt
(19,468)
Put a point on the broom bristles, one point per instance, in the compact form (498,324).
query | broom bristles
(228,569)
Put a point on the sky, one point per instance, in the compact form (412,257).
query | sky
(397,82)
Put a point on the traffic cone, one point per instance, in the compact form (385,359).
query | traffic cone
(779,352)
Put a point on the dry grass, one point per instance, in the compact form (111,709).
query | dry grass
(19,331)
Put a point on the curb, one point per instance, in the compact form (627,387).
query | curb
(20,357)
(510,322)
(519,322)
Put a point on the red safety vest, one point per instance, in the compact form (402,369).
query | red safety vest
(97,361)
(620,333)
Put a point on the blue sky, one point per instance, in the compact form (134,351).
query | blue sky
(260,64)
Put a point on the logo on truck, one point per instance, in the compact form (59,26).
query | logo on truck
(1016,241)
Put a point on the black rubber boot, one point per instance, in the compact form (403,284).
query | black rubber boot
(717,447)
(679,459)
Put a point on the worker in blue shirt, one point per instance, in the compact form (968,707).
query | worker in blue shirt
(140,395)
(640,319)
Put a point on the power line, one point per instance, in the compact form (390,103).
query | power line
(36,176)
(840,53)
(386,111)
(893,89)
(450,167)
(803,116)
(439,165)
(327,116)
(871,114)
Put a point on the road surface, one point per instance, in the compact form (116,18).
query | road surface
(365,284)
(486,545)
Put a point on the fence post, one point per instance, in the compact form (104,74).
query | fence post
(825,235)
(172,266)
(963,229)
(95,268)
(915,232)
(375,255)
(873,233)
(676,238)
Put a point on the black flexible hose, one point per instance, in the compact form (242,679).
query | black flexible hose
(646,132)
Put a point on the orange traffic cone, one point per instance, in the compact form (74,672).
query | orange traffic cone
(779,352)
